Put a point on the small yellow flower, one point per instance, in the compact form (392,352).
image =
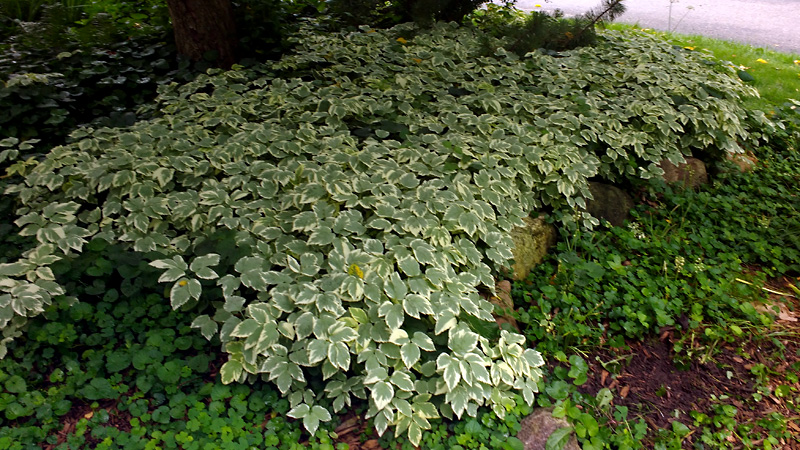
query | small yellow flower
(538,6)
(797,61)
(417,60)
(762,61)
(689,48)
(402,41)
(569,35)
(355,271)
(372,31)
(183,283)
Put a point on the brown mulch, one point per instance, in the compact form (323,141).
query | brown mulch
(116,418)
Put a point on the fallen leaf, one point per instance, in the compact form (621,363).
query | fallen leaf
(88,415)
(738,360)
(603,378)
(624,392)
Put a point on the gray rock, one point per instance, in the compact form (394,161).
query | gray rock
(538,426)
(610,203)
(691,174)
(531,244)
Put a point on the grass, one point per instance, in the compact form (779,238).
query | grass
(776,75)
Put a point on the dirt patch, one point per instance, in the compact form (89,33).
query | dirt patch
(661,386)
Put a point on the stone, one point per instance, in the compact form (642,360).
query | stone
(503,300)
(537,427)
(531,244)
(610,203)
(744,161)
(692,174)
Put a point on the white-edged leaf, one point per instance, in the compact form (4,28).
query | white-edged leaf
(231,371)
(382,393)
(402,380)
(317,351)
(415,304)
(208,328)
(299,411)
(410,354)
(445,322)
(246,328)
(423,341)
(339,355)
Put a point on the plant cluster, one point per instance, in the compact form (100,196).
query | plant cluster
(135,372)
(677,263)
(332,216)
(523,33)
(45,96)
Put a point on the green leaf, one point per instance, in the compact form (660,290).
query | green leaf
(745,76)
(246,328)
(231,371)
(559,439)
(200,266)
(317,351)
(381,394)
(410,354)
(321,236)
(423,341)
(393,314)
(183,290)
(208,328)
(163,175)
(514,443)
(578,369)
(299,411)
(402,380)
(415,304)
(590,423)
(339,355)
(395,287)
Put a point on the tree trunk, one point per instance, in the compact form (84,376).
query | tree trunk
(203,26)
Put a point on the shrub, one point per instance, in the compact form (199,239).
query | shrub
(332,216)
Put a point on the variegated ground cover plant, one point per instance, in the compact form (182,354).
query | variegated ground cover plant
(331,217)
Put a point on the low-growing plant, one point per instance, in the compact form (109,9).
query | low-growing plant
(332,216)
(47,94)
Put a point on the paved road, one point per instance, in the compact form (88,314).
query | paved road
(774,24)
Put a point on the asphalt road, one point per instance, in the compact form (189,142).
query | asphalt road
(773,24)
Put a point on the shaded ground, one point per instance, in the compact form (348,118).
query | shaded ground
(661,386)
(756,374)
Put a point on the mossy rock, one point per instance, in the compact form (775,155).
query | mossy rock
(531,244)
(690,175)
(609,203)
(537,428)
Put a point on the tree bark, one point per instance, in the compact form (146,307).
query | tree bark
(202,26)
